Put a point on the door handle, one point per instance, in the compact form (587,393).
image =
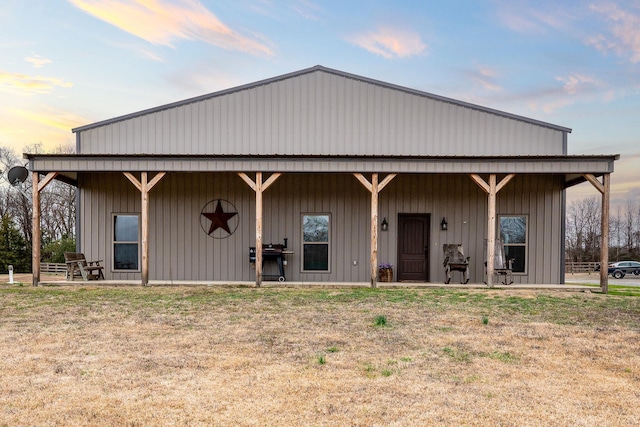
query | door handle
(426,250)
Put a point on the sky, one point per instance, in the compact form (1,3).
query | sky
(67,63)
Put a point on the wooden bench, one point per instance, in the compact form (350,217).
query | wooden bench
(78,266)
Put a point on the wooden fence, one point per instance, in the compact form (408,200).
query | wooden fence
(53,267)
(581,267)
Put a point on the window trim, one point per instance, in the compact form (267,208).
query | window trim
(327,243)
(114,242)
(524,245)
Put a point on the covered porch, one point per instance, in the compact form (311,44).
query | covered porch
(489,174)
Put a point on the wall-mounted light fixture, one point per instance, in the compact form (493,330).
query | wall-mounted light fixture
(385,225)
(443,224)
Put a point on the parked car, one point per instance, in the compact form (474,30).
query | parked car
(619,269)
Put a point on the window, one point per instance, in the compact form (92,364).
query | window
(315,242)
(513,232)
(125,242)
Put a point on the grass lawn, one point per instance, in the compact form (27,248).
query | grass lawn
(297,357)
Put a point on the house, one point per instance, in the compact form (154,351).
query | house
(322,158)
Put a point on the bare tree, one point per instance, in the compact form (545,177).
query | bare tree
(57,201)
(636,230)
(18,197)
(615,234)
(631,224)
(583,230)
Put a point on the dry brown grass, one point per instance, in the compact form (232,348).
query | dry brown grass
(253,357)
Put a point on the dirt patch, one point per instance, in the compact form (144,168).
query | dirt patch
(27,278)
(203,356)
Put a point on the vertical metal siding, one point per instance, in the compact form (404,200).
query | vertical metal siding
(322,113)
(181,250)
(540,198)
(464,205)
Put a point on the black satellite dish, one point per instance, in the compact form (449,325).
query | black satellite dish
(17,175)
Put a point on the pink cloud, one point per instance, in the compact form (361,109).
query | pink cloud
(486,77)
(532,19)
(624,36)
(162,22)
(307,9)
(576,83)
(390,43)
(575,88)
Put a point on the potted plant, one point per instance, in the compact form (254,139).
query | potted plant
(385,272)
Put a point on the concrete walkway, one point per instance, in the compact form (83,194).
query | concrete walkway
(574,282)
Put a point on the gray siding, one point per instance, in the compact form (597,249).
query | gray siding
(458,199)
(322,113)
(181,250)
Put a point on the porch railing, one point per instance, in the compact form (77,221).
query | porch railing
(581,267)
(53,267)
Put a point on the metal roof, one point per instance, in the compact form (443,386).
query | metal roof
(324,164)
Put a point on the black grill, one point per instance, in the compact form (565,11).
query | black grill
(271,253)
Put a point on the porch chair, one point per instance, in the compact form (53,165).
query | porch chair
(454,260)
(78,266)
(501,265)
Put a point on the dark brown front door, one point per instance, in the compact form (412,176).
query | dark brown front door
(413,247)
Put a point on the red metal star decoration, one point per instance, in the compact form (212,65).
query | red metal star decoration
(219,219)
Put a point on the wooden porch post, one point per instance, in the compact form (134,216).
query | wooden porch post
(491,230)
(35,232)
(374,230)
(605,189)
(604,252)
(374,187)
(492,189)
(259,212)
(144,186)
(36,187)
(259,187)
(144,214)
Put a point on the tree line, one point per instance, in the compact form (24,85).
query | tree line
(58,217)
(583,231)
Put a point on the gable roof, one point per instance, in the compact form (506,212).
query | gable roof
(320,68)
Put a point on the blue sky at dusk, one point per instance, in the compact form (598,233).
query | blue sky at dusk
(65,64)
